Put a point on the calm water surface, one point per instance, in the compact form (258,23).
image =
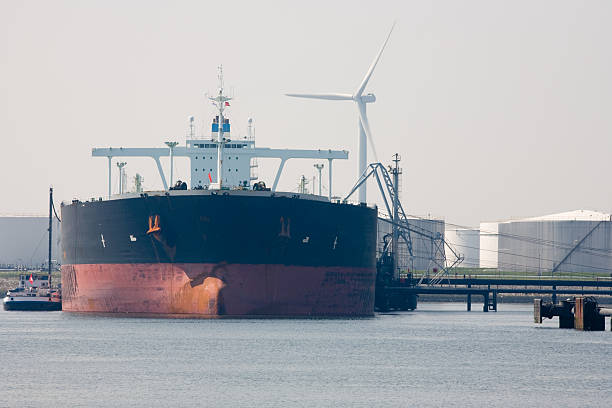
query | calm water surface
(438,355)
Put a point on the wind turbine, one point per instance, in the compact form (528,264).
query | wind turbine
(364,126)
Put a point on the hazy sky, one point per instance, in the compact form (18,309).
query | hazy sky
(499,108)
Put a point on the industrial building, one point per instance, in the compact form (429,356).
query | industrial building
(571,242)
(24,241)
(424,249)
(465,242)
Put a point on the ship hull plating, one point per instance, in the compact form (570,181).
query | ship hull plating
(200,254)
(218,290)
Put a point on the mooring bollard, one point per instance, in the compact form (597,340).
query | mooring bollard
(581,313)
(550,310)
(537,311)
(586,315)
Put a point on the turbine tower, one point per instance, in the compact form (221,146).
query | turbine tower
(364,127)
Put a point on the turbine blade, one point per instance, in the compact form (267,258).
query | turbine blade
(371,69)
(329,96)
(363,117)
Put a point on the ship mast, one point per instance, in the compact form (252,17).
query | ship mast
(50,232)
(220,102)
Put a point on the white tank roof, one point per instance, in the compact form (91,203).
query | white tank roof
(576,215)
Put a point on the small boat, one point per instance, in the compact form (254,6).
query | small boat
(33,293)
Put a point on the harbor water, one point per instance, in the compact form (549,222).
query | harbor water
(439,355)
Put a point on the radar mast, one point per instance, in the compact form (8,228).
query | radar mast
(220,101)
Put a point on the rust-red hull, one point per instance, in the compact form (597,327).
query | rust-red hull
(212,290)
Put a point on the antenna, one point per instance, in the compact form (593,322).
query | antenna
(220,102)
(250,128)
(191,119)
(50,232)
(220,76)
(395,171)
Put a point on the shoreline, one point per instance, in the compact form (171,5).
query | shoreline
(10,280)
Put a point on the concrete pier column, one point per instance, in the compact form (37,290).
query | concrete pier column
(469,299)
(495,301)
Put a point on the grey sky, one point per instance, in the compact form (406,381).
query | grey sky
(499,109)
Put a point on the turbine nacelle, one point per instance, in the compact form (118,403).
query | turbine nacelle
(368,98)
(360,101)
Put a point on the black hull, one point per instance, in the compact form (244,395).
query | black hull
(33,306)
(203,228)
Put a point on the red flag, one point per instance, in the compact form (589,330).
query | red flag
(226,103)
(209,178)
(31,279)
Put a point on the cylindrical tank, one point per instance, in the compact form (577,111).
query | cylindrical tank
(465,242)
(572,242)
(423,249)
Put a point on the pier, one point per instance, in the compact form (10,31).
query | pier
(580,313)
(490,288)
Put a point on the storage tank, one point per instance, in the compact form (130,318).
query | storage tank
(465,242)
(423,249)
(571,242)
(488,244)
(24,241)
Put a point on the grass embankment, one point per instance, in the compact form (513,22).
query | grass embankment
(9,279)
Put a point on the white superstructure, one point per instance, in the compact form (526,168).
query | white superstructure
(220,161)
(236,163)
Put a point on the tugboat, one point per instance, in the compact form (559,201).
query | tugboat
(35,292)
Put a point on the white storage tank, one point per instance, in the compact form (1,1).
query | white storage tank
(488,244)
(24,241)
(571,242)
(423,249)
(465,242)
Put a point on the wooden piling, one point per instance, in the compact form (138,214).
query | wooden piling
(579,313)
(537,311)
(586,315)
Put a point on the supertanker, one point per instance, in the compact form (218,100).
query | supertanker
(225,248)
